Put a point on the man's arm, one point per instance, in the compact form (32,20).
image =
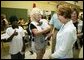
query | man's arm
(10,38)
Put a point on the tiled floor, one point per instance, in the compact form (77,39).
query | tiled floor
(81,53)
(5,54)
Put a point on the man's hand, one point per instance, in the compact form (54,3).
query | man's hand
(50,34)
(3,40)
(15,33)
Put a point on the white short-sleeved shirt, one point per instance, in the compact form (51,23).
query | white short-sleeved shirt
(16,43)
(66,37)
(55,22)
(4,36)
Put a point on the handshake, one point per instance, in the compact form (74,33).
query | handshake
(15,33)
(48,36)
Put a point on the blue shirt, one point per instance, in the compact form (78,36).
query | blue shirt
(55,22)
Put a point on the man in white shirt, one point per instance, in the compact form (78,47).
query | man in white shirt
(15,35)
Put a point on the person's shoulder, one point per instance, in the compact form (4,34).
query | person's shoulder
(71,28)
(70,31)
(9,29)
(55,14)
(20,27)
(32,25)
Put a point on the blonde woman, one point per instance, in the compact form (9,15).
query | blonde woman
(37,34)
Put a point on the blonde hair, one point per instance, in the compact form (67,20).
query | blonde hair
(33,12)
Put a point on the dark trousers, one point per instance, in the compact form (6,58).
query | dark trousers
(81,42)
(76,45)
(17,56)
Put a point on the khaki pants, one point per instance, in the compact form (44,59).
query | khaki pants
(54,40)
(40,54)
(81,53)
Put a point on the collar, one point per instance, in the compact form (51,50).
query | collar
(67,24)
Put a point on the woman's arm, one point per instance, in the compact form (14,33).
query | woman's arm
(36,32)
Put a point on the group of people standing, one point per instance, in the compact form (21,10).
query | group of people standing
(40,30)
